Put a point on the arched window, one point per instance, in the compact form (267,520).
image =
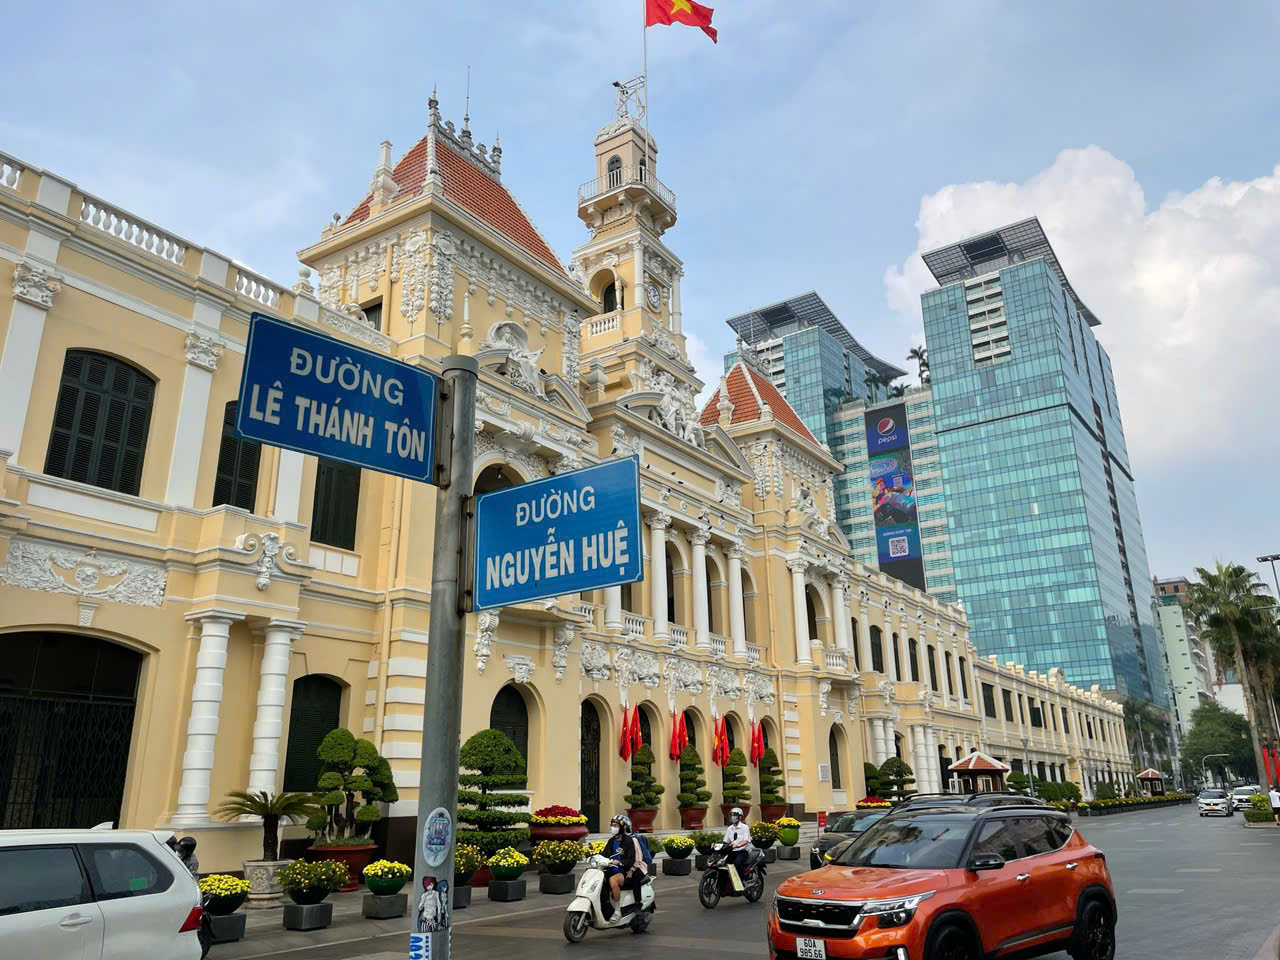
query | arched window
(315,710)
(627,601)
(951,683)
(857,642)
(336,504)
(510,715)
(236,479)
(913,655)
(964,687)
(100,424)
(811,616)
(933,668)
(691,728)
(897,658)
(644,170)
(646,729)
(610,298)
(615,171)
(715,612)
(833,750)
(671,586)
(877,650)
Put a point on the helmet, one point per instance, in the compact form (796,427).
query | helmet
(187,844)
(623,823)
(736,812)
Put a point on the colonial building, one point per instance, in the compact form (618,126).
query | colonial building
(184,612)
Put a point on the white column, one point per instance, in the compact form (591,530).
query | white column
(676,317)
(799,611)
(638,293)
(202,727)
(877,740)
(919,746)
(203,354)
(737,614)
(658,523)
(33,291)
(889,744)
(701,613)
(931,764)
(288,486)
(864,639)
(268,725)
(613,609)
(841,614)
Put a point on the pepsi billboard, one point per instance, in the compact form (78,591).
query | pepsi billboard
(893,495)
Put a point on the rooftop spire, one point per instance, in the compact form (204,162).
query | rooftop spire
(466,113)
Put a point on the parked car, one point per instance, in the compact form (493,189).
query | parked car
(918,801)
(95,895)
(1213,800)
(1240,795)
(952,882)
(845,828)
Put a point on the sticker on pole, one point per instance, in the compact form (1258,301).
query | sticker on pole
(419,946)
(437,837)
(563,534)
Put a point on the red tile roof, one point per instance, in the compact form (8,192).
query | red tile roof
(979,762)
(748,390)
(470,188)
(1149,774)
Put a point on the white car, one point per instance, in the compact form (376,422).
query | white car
(1213,800)
(1240,796)
(95,895)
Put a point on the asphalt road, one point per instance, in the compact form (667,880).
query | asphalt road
(1187,888)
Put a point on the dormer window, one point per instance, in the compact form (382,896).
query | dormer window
(644,170)
(615,171)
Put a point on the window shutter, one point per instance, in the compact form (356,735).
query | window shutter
(317,702)
(100,423)
(510,716)
(336,504)
(236,480)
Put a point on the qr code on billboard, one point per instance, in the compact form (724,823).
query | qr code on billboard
(898,547)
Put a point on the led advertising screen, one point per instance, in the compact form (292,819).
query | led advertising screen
(893,493)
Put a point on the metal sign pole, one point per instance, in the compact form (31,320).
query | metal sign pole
(436,833)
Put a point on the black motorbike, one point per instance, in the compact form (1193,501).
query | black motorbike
(717,879)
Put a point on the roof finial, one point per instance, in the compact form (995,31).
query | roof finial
(466,110)
(433,106)
(495,155)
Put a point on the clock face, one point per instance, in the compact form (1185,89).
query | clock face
(654,294)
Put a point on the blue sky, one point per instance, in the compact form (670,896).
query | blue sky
(817,146)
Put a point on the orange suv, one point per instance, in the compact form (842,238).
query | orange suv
(954,883)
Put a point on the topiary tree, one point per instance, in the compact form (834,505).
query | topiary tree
(1018,782)
(645,789)
(691,795)
(895,778)
(498,766)
(871,773)
(770,781)
(1105,791)
(349,767)
(736,790)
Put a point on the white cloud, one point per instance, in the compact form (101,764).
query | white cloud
(1188,294)
(706,364)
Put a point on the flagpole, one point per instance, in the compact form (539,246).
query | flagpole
(644,7)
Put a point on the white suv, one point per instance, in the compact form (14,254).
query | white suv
(95,895)
(1240,796)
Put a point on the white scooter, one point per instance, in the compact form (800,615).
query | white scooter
(587,908)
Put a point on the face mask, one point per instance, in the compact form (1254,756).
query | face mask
(613,830)
(735,821)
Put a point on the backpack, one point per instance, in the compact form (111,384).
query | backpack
(646,853)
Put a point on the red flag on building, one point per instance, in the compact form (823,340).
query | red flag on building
(684,733)
(725,749)
(637,736)
(664,13)
(1266,758)
(624,744)
(673,748)
(715,741)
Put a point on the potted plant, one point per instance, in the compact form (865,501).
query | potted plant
(341,831)
(871,774)
(492,825)
(386,877)
(703,841)
(307,884)
(772,804)
(558,856)
(692,797)
(736,792)
(764,834)
(467,859)
(557,823)
(788,830)
(645,791)
(270,808)
(506,866)
(678,846)
(223,895)
(895,778)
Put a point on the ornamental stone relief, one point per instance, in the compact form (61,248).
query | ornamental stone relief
(203,351)
(594,661)
(560,649)
(272,548)
(409,264)
(443,248)
(486,631)
(33,565)
(35,285)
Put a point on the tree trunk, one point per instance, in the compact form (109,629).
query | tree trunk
(270,838)
(1243,672)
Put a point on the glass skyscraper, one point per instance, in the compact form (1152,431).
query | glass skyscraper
(1046,541)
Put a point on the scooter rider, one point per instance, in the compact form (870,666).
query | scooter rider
(739,838)
(626,862)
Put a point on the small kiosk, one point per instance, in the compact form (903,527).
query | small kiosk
(1151,782)
(978,773)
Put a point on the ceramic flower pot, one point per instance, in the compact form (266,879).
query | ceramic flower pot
(506,873)
(560,869)
(226,905)
(356,859)
(264,892)
(306,898)
(691,817)
(385,886)
(678,854)
(726,807)
(789,836)
(772,811)
(550,831)
(642,820)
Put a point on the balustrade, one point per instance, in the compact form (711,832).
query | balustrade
(132,230)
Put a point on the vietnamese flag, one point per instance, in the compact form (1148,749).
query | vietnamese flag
(624,745)
(673,748)
(664,13)
(683,740)
(637,735)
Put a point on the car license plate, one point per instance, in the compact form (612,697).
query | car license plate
(810,948)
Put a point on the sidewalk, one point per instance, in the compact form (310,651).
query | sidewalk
(265,934)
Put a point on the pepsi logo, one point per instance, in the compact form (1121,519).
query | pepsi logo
(886,426)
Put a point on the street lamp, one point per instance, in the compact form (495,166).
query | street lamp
(1203,775)
(1271,558)
(1031,780)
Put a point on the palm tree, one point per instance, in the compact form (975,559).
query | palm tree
(270,807)
(873,380)
(920,355)
(1146,729)
(1230,601)
(897,390)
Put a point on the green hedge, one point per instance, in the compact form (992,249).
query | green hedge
(1258,816)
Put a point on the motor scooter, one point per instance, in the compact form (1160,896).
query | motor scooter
(721,878)
(587,909)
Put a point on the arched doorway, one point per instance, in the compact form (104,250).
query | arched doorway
(833,751)
(691,728)
(66,725)
(589,776)
(811,615)
(496,476)
(316,708)
(510,714)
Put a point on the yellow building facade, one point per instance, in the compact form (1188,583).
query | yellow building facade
(184,612)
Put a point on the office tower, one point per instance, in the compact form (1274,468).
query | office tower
(1045,535)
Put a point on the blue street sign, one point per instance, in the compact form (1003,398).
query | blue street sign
(316,394)
(563,534)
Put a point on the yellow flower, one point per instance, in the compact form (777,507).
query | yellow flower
(786,822)
(389,869)
(223,885)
